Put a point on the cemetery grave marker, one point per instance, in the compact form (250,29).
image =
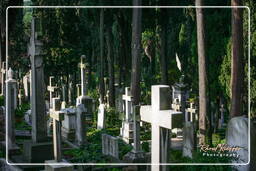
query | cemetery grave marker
(160,115)
(110,146)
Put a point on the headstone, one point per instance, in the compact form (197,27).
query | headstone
(39,142)
(221,120)
(110,146)
(126,131)
(80,125)
(83,99)
(27,117)
(101,117)
(237,136)
(118,99)
(11,86)
(70,90)
(136,155)
(69,124)
(188,139)
(161,118)
(26,85)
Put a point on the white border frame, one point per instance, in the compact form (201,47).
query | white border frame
(130,7)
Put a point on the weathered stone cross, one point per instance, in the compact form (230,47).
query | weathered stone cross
(57,116)
(159,114)
(83,81)
(192,112)
(51,89)
(128,104)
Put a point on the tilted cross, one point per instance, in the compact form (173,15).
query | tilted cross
(128,103)
(159,114)
(57,115)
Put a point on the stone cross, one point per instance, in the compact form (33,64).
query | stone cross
(39,129)
(160,115)
(191,113)
(3,73)
(83,81)
(51,89)
(128,103)
(80,125)
(57,116)
(10,107)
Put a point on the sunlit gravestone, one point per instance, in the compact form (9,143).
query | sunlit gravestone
(161,117)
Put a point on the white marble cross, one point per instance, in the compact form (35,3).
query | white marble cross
(160,116)
(128,103)
(58,116)
(192,111)
(51,89)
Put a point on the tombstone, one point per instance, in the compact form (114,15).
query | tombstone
(70,90)
(69,124)
(11,89)
(83,99)
(51,89)
(136,155)
(179,93)
(57,115)
(176,105)
(118,99)
(101,117)
(3,75)
(188,139)
(110,146)
(26,85)
(221,120)
(27,117)
(237,136)
(126,131)
(78,90)
(80,125)
(39,143)
(161,117)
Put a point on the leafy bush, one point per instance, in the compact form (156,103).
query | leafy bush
(20,111)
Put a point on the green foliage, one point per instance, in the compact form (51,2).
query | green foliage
(1,100)
(20,111)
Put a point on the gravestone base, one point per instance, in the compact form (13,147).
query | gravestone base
(13,150)
(135,157)
(68,134)
(38,152)
(126,132)
(65,167)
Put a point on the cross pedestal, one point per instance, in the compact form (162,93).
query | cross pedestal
(160,115)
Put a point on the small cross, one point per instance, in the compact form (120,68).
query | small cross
(192,111)
(128,106)
(51,88)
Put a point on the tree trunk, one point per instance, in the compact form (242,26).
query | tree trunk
(163,42)
(202,72)
(109,41)
(101,86)
(237,60)
(136,52)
